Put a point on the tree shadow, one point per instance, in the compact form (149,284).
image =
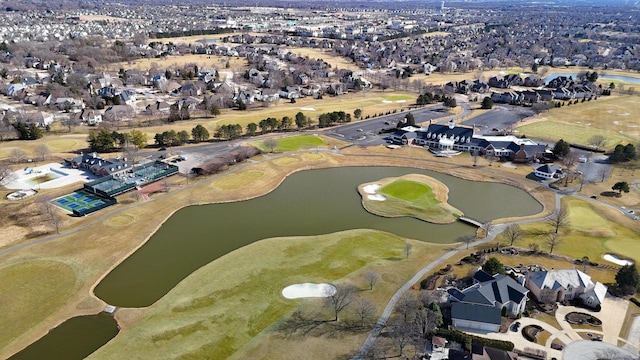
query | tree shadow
(610,194)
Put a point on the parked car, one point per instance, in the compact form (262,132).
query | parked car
(515,326)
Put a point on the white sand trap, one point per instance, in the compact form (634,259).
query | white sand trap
(307,290)
(609,111)
(308,109)
(387,101)
(624,114)
(616,260)
(371,188)
(376,197)
(401,101)
(616,122)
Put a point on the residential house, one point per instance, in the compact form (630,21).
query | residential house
(68,104)
(548,171)
(39,118)
(90,117)
(128,97)
(160,107)
(509,97)
(119,113)
(560,285)
(268,95)
(480,87)
(475,317)
(189,89)
(480,305)
(533,81)
(481,352)
(505,82)
(404,135)
(290,92)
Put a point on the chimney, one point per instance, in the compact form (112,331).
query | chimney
(451,124)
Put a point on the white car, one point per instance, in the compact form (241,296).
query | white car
(582,159)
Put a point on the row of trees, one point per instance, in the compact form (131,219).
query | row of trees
(430,98)
(172,138)
(106,141)
(332,118)
(623,153)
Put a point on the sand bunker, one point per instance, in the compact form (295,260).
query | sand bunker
(371,188)
(307,290)
(307,109)
(616,260)
(372,192)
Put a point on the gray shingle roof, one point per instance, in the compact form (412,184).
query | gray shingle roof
(479,313)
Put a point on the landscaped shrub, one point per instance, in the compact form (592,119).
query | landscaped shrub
(467,340)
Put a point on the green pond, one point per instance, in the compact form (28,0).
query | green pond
(76,338)
(306,203)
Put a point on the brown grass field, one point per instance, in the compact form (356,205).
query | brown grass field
(616,117)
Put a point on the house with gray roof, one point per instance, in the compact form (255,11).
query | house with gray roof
(560,285)
(480,305)
(548,171)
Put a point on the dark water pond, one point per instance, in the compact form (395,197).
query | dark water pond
(307,203)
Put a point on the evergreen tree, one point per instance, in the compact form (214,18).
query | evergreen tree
(493,266)
(628,279)
(487,103)
(561,148)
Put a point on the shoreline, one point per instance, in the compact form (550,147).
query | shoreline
(328,160)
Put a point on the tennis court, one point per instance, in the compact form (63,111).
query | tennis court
(80,201)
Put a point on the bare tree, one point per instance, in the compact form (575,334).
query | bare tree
(407,250)
(343,296)
(371,277)
(55,220)
(17,155)
(270,144)
(424,323)
(534,247)
(597,141)
(552,239)
(406,307)
(365,311)
(6,174)
(512,233)
(401,335)
(467,239)
(602,173)
(41,151)
(488,226)
(136,195)
(558,219)
(585,263)
(375,352)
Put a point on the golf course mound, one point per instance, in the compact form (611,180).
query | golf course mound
(414,195)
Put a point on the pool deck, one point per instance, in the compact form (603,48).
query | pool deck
(73,176)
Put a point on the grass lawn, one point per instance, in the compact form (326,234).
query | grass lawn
(593,231)
(615,117)
(399,97)
(411,195)
(32,290)
(292,143)
(200,317)
(201,60)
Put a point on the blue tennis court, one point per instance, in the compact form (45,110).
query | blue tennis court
(81,201)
